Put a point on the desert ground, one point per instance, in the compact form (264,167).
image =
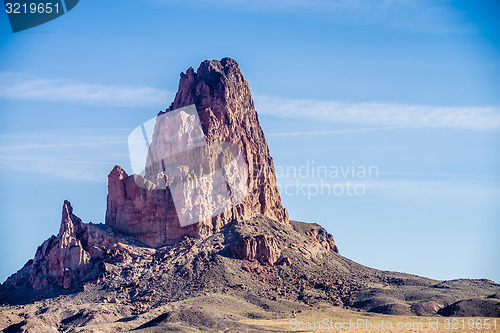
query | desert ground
(219,313)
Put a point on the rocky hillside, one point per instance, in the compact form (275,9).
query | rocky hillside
(147,270)
(279,269)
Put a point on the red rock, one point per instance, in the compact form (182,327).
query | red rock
(73,256)
(325,239)
(146,215)
(61,258)
(262,248)
(227,114)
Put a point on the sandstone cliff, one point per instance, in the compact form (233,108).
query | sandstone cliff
(227,115)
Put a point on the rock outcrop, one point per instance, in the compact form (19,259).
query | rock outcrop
(262,248)
(147,215)
(62,259)
(75,255)
(227,114)
(143,210)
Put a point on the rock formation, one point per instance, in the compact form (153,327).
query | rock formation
(74,256)
(62,259)
(227,115)
(262,248)
(148,268)
(147,215)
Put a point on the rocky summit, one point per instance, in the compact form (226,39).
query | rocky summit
(227,115)
(216,260)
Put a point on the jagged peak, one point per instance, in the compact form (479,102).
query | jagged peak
(118,173)
(67,207)
(212,69)
(218,65)
(70,224)
(225,67)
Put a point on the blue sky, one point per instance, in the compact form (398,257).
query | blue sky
(411,87)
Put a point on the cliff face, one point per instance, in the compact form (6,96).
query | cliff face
(227,114)
(158,211)
(75,255)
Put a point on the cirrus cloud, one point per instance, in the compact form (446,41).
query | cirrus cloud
(383,114)
(24,87)
(372,115)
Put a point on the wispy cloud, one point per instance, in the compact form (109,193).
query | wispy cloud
(342,131)
(24,87)
(74,170)
(384,115)
(63,155)
(468,187)
(374,116)
(419,188)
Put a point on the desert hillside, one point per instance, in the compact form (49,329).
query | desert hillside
(226,257)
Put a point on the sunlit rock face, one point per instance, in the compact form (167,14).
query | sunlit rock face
(208,164)
(73,256)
